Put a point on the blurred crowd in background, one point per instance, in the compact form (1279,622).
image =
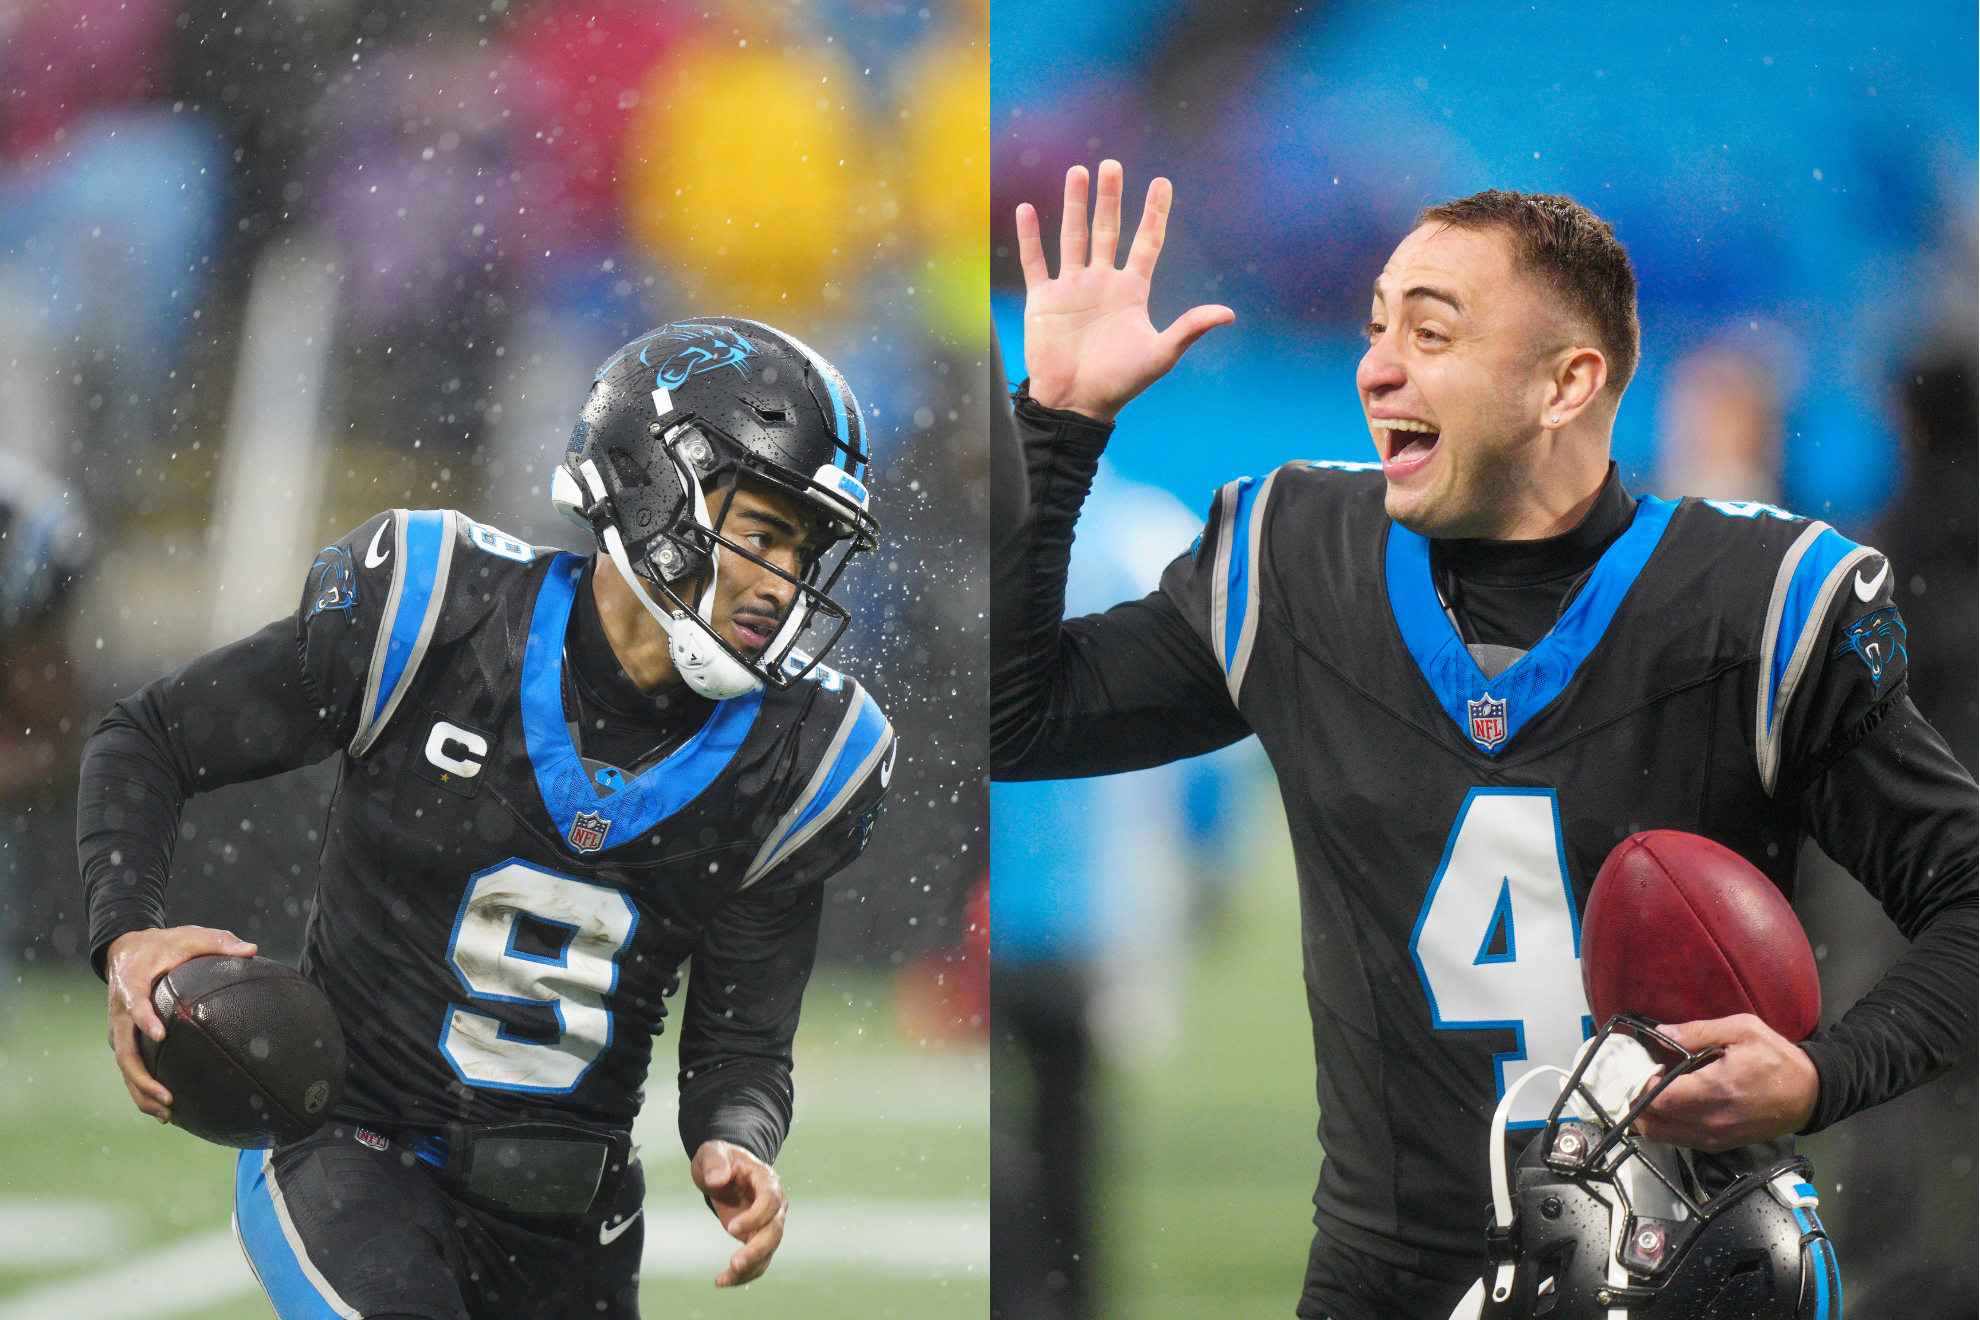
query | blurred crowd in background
(1796,187)
(267,268)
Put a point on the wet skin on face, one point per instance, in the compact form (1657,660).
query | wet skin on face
(1473,382)
(750,600)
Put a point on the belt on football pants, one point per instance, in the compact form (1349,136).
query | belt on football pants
(535,1170)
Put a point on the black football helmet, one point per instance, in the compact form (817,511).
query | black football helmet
(1598,1224)
(674,419)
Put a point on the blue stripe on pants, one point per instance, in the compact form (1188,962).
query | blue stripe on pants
(268,1248)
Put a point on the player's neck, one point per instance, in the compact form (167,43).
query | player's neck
(1556,495)
(637,638)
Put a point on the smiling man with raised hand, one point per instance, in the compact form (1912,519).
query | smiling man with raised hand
(561,779)
(1476,664)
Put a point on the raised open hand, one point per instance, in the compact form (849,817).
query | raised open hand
(1088,343)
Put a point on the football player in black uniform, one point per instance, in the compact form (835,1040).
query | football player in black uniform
(561,778)
(1476,664)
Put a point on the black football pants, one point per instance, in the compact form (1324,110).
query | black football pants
(336,1228)
(1343,1284)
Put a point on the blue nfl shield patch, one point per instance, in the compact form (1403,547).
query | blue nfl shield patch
(1488,721)
(588,831)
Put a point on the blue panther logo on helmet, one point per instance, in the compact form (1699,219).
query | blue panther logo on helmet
(702,348)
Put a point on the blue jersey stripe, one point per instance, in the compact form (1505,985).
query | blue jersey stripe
(1237,578)
(566,788)
(869,727)
(1804,597)
(426,530)
(1530,683)
(282,1275)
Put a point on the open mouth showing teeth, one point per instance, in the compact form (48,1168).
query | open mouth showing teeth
(1406,438)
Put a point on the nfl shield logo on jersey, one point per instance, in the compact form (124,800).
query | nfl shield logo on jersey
(1488,721)
(588,831)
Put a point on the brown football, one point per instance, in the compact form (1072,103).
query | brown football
(1681,929)
(252,1054)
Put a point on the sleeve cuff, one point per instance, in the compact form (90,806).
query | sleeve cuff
(1828,1084)
(1063,422)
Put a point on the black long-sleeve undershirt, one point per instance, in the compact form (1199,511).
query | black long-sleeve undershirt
(1136,686)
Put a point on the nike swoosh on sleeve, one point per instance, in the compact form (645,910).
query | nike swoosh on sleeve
(1866,591)
(372,559)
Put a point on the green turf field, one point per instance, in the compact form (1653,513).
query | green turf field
(1211,1158)
(886,1167)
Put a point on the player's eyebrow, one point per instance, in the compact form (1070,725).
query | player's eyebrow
(1427,291)
(774,522)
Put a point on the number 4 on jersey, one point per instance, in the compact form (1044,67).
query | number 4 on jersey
(1498,942)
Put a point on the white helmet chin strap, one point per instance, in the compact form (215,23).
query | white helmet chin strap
(705,666)
(1502,1209)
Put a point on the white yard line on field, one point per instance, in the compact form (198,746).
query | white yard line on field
(682,1240)
(35,1234)
(190,1275)
(912,1237)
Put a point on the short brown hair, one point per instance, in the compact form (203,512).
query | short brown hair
(1573,250)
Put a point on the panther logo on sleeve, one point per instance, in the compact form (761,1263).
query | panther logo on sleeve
(335,581)
(1877,639)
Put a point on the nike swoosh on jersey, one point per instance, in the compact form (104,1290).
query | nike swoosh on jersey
(608,1234)
(372,559)
(1865,591)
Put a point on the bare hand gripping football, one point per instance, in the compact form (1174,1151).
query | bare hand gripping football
(1685,931)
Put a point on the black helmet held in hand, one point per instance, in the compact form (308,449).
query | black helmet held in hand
(1595,1222)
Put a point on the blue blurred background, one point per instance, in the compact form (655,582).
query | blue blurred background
(1796,186)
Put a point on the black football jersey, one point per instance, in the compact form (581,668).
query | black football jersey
(500,917)
(1446,827)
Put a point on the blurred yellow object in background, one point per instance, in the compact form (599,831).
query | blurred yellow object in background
(946,182)
(745,169)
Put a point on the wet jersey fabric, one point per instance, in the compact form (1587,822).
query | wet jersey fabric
(1726,669)
(500,916)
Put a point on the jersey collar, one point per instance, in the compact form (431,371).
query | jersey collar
(1490,713)
(586,821)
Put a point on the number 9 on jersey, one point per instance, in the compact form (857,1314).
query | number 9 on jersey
(576,932)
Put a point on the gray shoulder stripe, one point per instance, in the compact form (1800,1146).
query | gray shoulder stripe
(423,545)
(1220,590)
(1248,632)
(787,836)
(361,742)
(1772,701)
